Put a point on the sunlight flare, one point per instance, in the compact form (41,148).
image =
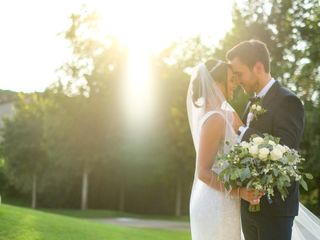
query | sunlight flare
(138,85)
(148,27)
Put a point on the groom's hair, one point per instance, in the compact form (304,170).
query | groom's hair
(250,52)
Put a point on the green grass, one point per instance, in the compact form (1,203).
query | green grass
(25,224)
(90,213)
(110,214)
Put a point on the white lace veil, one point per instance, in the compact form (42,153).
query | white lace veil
(205,98)
(306,225)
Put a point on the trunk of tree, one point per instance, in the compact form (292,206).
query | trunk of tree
(85,186)
(122,197)
(34,191)
(178,198)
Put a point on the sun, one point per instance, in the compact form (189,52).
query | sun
(147,27)
(158,23)
(154,24)
(131,32)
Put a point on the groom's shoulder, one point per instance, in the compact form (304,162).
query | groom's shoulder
(284,92)
(287,95)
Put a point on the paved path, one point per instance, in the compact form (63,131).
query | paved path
(146,223)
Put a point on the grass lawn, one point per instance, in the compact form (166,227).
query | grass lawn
(91,213)
(25,224)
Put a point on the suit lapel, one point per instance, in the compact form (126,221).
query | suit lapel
(270,96)
(266,100)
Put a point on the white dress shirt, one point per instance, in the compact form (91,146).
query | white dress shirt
(261,94)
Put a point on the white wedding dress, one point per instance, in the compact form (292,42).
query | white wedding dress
(215,215)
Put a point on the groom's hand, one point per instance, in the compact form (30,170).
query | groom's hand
(250,195)
(237,122)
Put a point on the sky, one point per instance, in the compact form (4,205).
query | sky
(31,48)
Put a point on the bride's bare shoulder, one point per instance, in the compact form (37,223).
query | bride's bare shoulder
(215,122)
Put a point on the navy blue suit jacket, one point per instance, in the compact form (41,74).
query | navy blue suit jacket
(284,119)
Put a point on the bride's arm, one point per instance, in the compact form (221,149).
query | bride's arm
(212,133)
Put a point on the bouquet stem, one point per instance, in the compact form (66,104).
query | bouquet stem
(254,207)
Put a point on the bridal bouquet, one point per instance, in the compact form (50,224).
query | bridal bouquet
(262,164)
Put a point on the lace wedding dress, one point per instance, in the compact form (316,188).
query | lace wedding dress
(213,215)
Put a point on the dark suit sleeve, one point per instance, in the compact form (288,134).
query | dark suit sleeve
(250,131)
(288,122)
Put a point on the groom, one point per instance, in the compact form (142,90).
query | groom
(284,118)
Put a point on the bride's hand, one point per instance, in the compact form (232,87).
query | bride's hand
(256,201)
(250,195)
(237,122)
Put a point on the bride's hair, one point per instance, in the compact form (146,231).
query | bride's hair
(218,70)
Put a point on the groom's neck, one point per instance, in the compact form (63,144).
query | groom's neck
(263,81)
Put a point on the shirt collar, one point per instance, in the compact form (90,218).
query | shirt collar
(266,88)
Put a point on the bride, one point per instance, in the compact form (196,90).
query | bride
(214,212)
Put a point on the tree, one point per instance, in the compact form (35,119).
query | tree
(25,156)
(85,111)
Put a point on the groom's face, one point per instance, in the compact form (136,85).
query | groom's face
(246,77)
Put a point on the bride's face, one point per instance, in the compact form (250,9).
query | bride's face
(232,84)
(228,89)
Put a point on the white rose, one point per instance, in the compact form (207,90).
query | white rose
(259,108)
(282,148)
(253,150)
(286,149)
(272,143)
(263,153)
(254,107)
(258,140)
(276,154)
(245,144)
